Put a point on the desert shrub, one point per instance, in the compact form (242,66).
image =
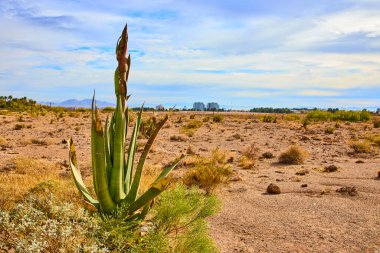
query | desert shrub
(245,163)
(180,213)
(292,117)
(376,124)
(19,126)
(208,173)
(269,119)
(41,222)
(361,146)
(351,116)
(329,130)
(206,119)
(108,109)
(179,120)
(293,155)
(43,225)
(217,118)
(191,127)
(192,116)
(376,140)
(147,126)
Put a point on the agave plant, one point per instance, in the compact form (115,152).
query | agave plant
(116,179)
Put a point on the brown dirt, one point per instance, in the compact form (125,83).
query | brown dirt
(315,218)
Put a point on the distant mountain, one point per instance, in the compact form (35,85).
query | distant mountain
(85,103)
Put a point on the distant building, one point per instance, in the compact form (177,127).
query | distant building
(160,108)
(378,111)
(199,106)
(212,106)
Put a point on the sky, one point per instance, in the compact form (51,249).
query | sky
(240,54)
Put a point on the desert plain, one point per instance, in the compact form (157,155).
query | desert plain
(328,203)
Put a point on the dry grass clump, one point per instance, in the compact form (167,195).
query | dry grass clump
(26,173)
(361,147)
(191,127)
(249,157)
(293,155)
(208,173)
(36,141)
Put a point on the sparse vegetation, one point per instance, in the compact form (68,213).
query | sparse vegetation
(293,155)
(351,116)
(217,118)
(208,173)
(191,127)
(19,126)
(329,130)
(376,124)
(361,146)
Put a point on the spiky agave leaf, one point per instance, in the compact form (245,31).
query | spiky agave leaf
(77,176)
(136,180)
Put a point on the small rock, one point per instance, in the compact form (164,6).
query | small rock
(273,189)
(302,172)
(279,172)
(359,161)
(303,185)
(64,141)
(330,168)
(378,174)
(348,190)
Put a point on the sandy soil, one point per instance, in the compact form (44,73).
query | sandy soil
(314,218)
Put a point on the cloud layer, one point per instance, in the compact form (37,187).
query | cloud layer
(245,54)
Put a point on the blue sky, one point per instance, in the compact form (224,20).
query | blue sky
(241,54)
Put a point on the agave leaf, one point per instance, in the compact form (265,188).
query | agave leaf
(117,175)
(107,150)
(77,176)
(93,151)
(157,187)
(104,197)
(131,152)
(136,180)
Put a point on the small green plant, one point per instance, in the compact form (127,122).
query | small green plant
(116,181)
(206,119)
(376,124)
(192,116)
(269,119)
(293,155)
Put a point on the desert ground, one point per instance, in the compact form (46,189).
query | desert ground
(315,211)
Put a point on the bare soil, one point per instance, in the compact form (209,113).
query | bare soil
(309,215)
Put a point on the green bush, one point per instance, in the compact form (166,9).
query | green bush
(351,116)
(41,223)
(329,130)
(376,124)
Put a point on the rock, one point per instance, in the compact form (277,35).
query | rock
(273,189)
(378,174)
(348,190)
(279,172)
(302,172)
(359,161)
(267,155)
(64,141)
(330,168)
(303,185)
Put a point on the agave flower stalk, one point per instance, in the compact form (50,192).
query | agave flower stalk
(116,180)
